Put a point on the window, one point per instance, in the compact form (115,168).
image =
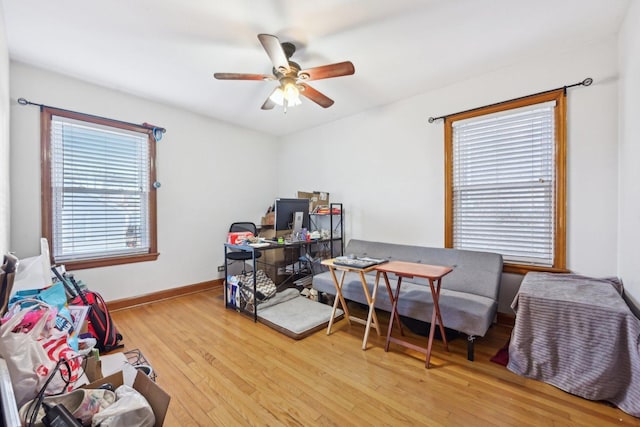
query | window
(98,201)
(505,183)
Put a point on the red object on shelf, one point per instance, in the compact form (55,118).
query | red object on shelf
(237,237)
(327,211)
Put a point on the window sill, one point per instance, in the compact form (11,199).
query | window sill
(524,269)
(106,262)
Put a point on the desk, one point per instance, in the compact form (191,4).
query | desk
(434,274)
(297,246)
(371,298)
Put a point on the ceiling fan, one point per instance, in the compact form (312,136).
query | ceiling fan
(290,76)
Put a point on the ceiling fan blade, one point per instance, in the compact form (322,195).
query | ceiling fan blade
(242,76)
(268,103)
(327,71)
(272,46)
(317,97)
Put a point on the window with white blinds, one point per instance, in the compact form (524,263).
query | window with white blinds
(100,204)
(504,183)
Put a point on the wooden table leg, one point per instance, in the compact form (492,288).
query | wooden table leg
(371,301)
(394,314)
(339,298)
(436,304)
(411,270)
(391,298)
(435,318)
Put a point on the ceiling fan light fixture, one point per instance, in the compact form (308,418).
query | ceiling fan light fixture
(277,96)
(287,91)
(292,94)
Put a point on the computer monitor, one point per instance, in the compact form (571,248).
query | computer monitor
(286,213)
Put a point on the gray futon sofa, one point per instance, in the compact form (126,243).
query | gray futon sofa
(469,294)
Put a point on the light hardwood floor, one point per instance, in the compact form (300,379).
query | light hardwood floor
(223,369)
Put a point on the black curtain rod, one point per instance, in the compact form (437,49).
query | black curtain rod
(152,128)
(585,82)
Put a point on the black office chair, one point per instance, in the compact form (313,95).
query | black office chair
(238,255)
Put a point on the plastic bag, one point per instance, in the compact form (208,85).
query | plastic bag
(130,409)
(34,272)
(55,297)
(27,361)
(57,347)
(33,348)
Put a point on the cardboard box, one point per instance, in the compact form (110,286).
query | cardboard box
(273,256)
(158,398)
(272,272)
(119,371)
(93,368)
(237,237)
(269,219)
(271,234)
(316,198)
(267,233)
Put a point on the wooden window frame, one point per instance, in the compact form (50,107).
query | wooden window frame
(559,95)
(47,194)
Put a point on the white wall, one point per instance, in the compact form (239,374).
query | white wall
(4,138)
(206,168)
(387,166)
(629,171)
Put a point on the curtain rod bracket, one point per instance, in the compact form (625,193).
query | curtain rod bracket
(586,82)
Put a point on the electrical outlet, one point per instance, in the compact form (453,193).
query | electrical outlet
(220,268)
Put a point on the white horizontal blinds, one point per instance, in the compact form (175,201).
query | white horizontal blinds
(100,186)
(504,184)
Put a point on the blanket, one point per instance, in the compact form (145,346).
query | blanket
(578,334)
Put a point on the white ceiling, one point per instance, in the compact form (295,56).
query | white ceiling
(168,50)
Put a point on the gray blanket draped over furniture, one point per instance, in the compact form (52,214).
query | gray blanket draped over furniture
(578,334)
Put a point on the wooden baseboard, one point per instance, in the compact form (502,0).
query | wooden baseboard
(162,295)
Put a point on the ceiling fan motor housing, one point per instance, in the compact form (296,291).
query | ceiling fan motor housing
(289,49)
(294,69)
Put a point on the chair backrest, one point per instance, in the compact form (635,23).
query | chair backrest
(244,226)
